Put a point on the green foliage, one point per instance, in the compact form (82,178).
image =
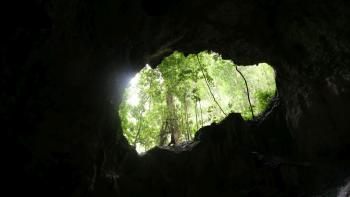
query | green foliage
(185,93)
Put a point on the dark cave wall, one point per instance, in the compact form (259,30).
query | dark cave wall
(65,64)
(316,56)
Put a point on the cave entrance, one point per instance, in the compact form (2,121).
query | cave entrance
(168,104)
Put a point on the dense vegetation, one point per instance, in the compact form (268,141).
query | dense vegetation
(168,104)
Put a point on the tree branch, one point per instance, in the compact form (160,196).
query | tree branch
(206,81)
(246,85)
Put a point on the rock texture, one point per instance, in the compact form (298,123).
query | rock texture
(64,65)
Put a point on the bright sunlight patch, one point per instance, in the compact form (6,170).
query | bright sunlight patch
(168,104)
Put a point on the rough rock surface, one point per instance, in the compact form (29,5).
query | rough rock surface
(65,63)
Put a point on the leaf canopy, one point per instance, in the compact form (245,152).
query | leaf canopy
(185,93)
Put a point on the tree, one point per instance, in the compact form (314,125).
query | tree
(168,104)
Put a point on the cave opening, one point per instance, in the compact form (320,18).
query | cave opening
(168,104)
(65,66)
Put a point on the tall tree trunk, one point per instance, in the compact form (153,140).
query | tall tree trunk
(172,118)
(186,118)
(163,133)
(195,107)
(140,122)
(139,128)
(200,107)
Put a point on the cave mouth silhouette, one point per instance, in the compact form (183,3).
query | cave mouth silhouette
(168,104)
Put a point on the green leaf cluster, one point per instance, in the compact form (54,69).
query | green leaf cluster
(185,93)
